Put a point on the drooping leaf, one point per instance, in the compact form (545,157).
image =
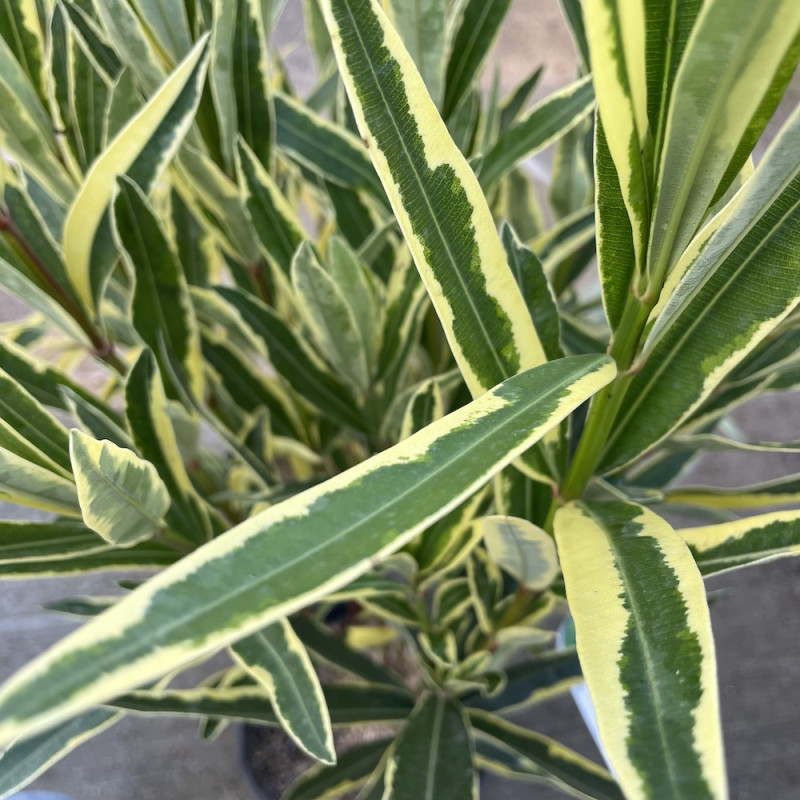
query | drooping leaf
(40,541)
(173,618)
(645,647)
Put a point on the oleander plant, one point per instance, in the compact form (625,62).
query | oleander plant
(333,382)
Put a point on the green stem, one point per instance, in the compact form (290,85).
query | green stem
(606,404)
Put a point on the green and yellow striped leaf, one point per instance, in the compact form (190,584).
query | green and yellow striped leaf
(276,658)
(730,545)
(161,308)
(23,762)
(30,431)
(239,78)
(777,492)
(436,199)
(146,556)
(329,317)
(141,150)
(154,436)
(326,149)
(541,678)
(353,768)
(348,703)
(644,639)
(423,26)
(727,69)
(121,496)
(307,376)
(424,406)
(522,549)
(540,127)
(21,30)
(95,420)
(615,30)
(25,127)
(736,290)
(168,24)
(40,541)
(28,484)
(173,618)
(432,759)
(274,221)
(478,25)
(131,42)
(555,763)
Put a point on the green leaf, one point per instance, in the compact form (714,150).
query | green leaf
(516,101)
(479,25)
(274,221)
(147,556)
(369,512)
(572,187)
(20,28)
(540,127)
(329,317)
(276,658)
(777,492)
(141,150)
(348,703)
(352,769)
(41,541)
(736,288)
(522,549)
(23,762)
(730,545)
(91,418)
(437,200)
(239,78)
(28,430)
(646,648)
(559,764)
(432,759)
(424,406)
(423,28)
(326,149)
(122,498)
(168,24)
(536,290)
(25,128)
(291,359)
(727,68)
(615,31)
(161,309)
(529,682)
(154,437)
(37,487)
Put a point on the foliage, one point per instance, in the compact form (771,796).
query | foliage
(298,353)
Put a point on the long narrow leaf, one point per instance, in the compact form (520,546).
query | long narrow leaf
(436,199)
(368,511)
(646,649)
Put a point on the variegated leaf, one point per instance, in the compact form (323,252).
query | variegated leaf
(436,199)
(432,759)
(141,150)
(121,496)
(730,545)
(277,659)
(644,639)
(369,512)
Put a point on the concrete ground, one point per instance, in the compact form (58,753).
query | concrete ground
(757,625)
